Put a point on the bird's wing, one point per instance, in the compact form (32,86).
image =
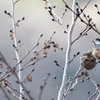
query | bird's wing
(97,47)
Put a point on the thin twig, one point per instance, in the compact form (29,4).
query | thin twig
(86,29)
(56,18)
(61,49)
(57,64)
(82,19)
(97,90)
(9,91)
(70,81)
(63,14)
(86,5)
(16,2)
(43,86)
(74,56)
(16,91)
(27,76)
(55,78)
(11,86)
(5,92)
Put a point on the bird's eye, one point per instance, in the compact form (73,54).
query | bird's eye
(91,60)
(86,60)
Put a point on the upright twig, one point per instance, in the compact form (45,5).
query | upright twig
(43,86)
(15,40)
(65,73)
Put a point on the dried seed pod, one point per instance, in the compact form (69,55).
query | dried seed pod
(79,76)
(45,7)
(29,78)
(17,24)
(16,48)
(1,65)
(86,73)
(54,49)
(45,42)
(11,38)
(11,35)
(4,85)
(50,42)
(37,57)
(7,68)
(37,53)
(57,44)
(45,52)
(15,58)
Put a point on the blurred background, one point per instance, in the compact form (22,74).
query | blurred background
(37,21)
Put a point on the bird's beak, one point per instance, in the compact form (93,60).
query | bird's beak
(93,42)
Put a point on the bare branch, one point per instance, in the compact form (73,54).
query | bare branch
(5,93)
(55,17)
(81,18)
(15,40)
(84,33)
(65,73)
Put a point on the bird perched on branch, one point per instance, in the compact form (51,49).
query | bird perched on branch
(96,48)
(88,61)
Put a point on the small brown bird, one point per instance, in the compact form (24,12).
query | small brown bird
(88,60)
(96,48)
